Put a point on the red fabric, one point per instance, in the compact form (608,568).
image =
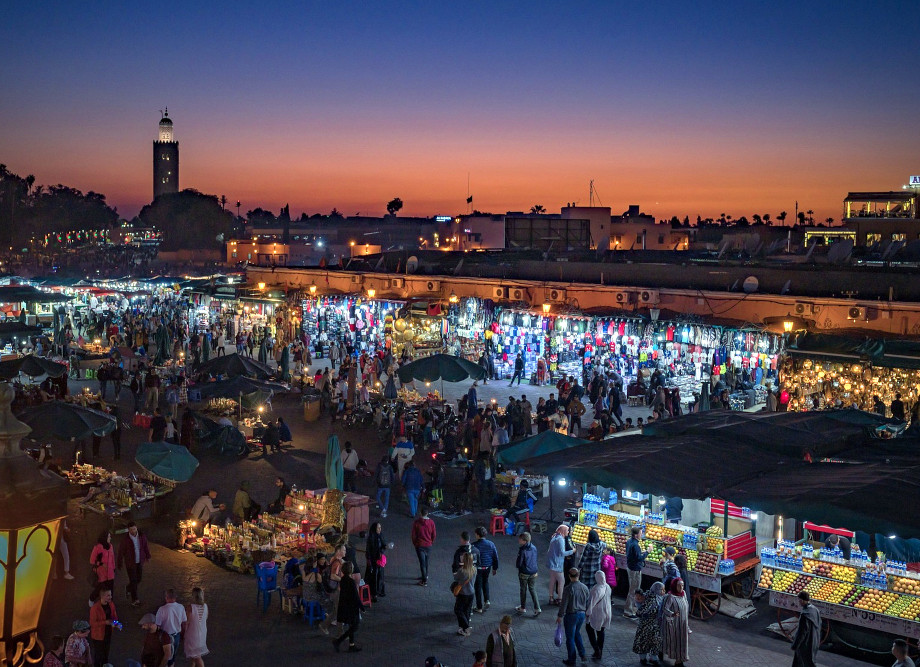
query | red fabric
(424,532)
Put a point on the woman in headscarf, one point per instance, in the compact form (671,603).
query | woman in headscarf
(373,574)
(559,550)
(591,558)
(674,624)
(598,613)
(648,633)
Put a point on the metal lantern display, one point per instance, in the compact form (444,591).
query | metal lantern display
(32,504)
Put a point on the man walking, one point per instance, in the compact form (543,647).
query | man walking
(412,482)
(572,616)
(518,370)
(527,574)
(808,634)
(424,533)
(635,561)
(133,553)
(465,548)
(488,560)
(384,478)
(350,467)
(171,619)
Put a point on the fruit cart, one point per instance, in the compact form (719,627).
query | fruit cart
(843,593)
(708,573)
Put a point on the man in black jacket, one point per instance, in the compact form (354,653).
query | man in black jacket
(465,548)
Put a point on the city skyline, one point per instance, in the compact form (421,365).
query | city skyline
(683,113)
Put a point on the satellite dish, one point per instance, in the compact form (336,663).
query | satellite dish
(750,285)
(412,264)
(752,244)
(840,251)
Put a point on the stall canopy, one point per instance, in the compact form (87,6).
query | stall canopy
(233,387)
(548,442)
(884,353)
(233,365)
(31,365)
(791,434)
(65,421)
(868,484)
(441,367)
(28,294)
(164,460)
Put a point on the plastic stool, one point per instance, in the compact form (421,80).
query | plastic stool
(194,395)
(313,612)
(497,526)
(437,497)
(364,592)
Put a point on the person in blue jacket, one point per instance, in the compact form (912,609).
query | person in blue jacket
(488,560)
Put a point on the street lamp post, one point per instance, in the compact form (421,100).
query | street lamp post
(32,504)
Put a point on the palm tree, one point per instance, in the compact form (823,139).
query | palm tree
(766,219)
(537,209)
(223,202)
(30,181)
(782,218)
(829,221)
(811,216)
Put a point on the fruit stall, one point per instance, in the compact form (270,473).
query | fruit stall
(879,595)
(710,569)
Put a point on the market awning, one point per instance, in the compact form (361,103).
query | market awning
(548,442)
(835,348)
(28,294)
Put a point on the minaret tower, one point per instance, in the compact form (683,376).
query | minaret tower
(165,159)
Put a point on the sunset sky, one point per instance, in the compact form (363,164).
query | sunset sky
(684,108)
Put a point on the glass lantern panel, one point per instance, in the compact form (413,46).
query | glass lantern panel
(34,555)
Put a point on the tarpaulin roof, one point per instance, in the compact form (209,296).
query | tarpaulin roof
(869,484)
(878,352)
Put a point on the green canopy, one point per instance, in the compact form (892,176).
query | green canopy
(548,442)
(335,473)
(284,365)
(441,367)
(174,463)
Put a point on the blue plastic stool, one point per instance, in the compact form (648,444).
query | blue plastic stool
(313,612)
(194,395)
(267,579)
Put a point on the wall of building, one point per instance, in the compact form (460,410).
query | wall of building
(896,318)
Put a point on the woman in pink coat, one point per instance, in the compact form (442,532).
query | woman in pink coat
(609,568)
(102,560)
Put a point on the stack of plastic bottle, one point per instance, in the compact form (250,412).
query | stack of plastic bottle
(767,556)
(589,501)
(726,566)
(691,539)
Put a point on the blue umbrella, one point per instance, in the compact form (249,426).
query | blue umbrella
(173,463)
(335,473)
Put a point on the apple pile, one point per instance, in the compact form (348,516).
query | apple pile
(706,563)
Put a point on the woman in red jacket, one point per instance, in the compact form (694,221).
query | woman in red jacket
(102,560)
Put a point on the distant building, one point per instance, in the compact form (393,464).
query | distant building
(883,216)
(635,230)
(165,159)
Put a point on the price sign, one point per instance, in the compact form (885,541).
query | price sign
(860,617)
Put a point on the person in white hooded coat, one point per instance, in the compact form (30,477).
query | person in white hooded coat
(598,614)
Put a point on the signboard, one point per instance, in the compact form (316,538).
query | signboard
(860,617)
(914,181)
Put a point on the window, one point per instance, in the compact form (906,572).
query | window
(899,237)
(661,239)
(873,238)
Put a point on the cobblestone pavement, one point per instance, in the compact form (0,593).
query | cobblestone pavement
(402,629)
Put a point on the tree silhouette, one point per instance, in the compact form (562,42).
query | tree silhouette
(334,213)
(811,216)
(394,206)
(829,221)
(782,218)
(757,219)
(766,219)
(537,209)
(801,218)
(188,219)
(223,202)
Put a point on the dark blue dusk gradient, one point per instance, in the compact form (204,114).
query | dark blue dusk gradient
(684,108)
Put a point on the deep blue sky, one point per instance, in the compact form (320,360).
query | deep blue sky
(684,108)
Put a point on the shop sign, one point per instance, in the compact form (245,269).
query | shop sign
(864,619)
(915,181)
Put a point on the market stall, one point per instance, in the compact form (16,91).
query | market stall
(300,528)
(880,595)
(710,568)
(825,371)
(119,499)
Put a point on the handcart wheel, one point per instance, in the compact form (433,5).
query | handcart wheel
(789,623)
(704,604)
(744,586)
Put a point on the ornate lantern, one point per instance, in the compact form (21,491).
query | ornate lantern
(32,504)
